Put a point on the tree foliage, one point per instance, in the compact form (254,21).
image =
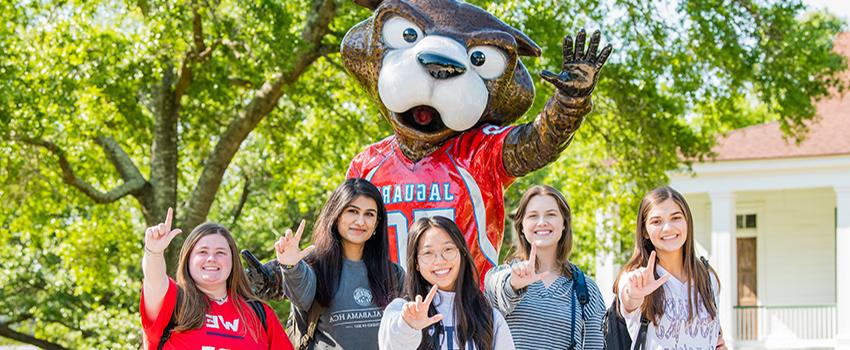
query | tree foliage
(239,112)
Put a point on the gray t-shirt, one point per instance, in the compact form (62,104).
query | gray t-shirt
(352,320)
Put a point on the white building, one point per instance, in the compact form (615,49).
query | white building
(774,218)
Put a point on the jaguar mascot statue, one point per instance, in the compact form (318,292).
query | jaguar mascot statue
(448,77)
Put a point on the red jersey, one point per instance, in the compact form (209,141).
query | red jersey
(464,180)
(223,329)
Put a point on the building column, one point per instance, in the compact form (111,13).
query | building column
(723,259)
(842,268)
(606,271)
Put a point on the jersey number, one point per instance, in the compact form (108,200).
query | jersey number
(402,227)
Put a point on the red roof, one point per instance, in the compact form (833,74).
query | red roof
(829,131)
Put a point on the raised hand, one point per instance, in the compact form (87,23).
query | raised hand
(642,280)
(580,70)
(266,280)
(415,312)
(158,237)
(524,273)
(287,250)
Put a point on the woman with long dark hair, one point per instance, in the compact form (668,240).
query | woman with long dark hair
(346,272)
(211,304)
(673,300)
(454,313)
(540,292)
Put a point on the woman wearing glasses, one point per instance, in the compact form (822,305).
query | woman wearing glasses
(453,314)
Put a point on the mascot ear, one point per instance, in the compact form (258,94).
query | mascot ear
(526,46)
(369,4)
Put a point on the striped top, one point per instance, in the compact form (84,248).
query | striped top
(541,318)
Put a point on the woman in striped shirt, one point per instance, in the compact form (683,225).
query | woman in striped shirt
(540,292)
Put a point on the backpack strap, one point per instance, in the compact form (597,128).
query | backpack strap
(710,287)
(172,322)
(640,340)
(166,333)
(583,297)
(316,311)
(580,286)
(260,310)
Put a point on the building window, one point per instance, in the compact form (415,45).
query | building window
(745,221)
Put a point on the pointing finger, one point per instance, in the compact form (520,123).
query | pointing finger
(431,295)
(169,216)
(532,257)
(650,265)
(299,231)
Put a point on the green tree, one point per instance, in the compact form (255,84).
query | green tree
(239,112)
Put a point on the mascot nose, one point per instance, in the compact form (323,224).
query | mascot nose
(439,66)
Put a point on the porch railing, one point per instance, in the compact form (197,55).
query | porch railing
(755,323)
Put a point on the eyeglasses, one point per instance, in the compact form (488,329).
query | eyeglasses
(448,254)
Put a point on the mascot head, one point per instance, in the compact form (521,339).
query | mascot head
(439,67)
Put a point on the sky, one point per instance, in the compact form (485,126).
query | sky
(838,7)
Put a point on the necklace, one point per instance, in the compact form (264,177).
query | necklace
(221,300)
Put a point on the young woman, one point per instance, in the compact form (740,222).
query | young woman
(538,292)
(347,272)
(211,304)
(454,315)
(677,294)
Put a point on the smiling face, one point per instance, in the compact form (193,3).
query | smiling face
(210,262)
(666,226)
(357,222)
(543,223)
(440,67)
(438,259)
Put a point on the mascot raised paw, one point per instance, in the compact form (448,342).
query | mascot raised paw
(447,76)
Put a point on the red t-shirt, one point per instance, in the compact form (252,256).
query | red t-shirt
(464,180)
(222,330)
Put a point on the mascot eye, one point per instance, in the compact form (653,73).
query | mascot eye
(488,61)
(477,58)
(399,33)
(410,35)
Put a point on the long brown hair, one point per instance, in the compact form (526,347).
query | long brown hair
(565,244)
(473,315)
(327,258)
(694,270)
(193,303)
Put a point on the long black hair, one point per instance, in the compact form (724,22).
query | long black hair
(473,315)
(326,259)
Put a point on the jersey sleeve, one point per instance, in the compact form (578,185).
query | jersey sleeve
(482,148)
(276,335)
(355,168)
(154,326)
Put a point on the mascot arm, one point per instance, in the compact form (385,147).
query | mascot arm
(266,280)
(531,146)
